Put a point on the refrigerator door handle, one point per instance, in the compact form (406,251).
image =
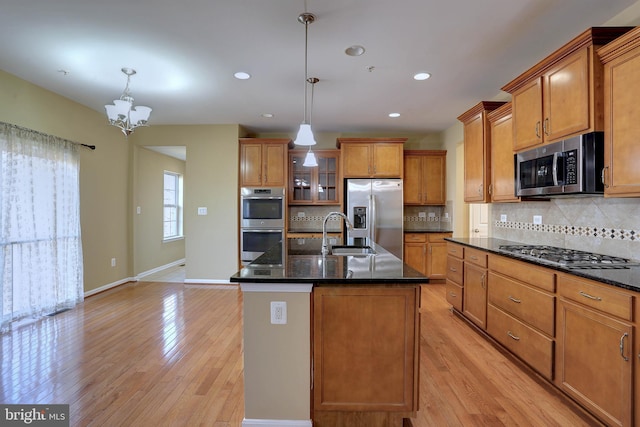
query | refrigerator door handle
(373,218)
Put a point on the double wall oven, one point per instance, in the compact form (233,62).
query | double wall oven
(262,219)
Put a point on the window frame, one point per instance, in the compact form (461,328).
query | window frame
(176,204)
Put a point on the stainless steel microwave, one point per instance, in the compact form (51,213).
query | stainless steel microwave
(569,167)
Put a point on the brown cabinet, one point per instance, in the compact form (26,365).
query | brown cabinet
(477,152)
(427,253)
(455,276)
(425,177)
(371,157)
(314,185)
(621,60)
(502,165)
(263,162)
(365,364)
(562,94)
(594,359)
(475,286)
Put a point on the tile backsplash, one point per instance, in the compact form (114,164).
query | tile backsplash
(427,218)
(594,224)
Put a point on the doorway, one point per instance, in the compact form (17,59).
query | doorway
(478,220)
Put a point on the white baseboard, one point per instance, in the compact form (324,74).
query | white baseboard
(109,286)
(276,423)
(206,281)
(157,269)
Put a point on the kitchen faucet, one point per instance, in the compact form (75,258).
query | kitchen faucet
(325,245)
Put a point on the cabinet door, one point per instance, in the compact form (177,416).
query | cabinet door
(250,165)
(356,160)
(301,180)
(437,260)
(275,174)
(527,115)
(475,294)
(502,162)
(412,185)
(387,160)
(594,361)
(327,181)
(434,189)
(622,127)
(415,256)
(566,97)
(474,160)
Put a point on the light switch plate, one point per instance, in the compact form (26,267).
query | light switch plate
(202,211)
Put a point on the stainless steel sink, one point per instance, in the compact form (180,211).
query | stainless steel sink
(352,250)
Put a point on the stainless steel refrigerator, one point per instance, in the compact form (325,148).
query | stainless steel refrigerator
(374,207)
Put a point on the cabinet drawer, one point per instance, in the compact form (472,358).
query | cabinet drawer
(454,295)
(599,296)
(476,257)
(534,348)
(437,237)
(415,237)
(528,304)
(455,250)
(455,268)
(525,272)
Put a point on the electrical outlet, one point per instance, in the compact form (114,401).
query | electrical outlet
(278,312)
(301,214)
(432,214)
(537,219)
(422,214)
(202,211)
(113,262)
(503,218)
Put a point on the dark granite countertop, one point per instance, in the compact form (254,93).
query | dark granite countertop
(427,231)
(626,278)
(300,261)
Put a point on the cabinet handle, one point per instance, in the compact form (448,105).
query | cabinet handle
(473,257)
(452,294)
(484,275)
(515,337)
(517,301)
(538,129)
(626,359)
(453,269)
(545,126)
(480,190)
(586,295)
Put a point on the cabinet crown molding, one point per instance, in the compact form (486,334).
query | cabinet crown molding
(480,107)
(620,46)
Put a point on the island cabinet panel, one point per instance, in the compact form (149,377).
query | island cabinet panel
(365,352)
(594,360)
(621,60)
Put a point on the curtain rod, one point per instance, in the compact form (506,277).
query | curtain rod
(91,147)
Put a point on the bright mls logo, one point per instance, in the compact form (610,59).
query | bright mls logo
(34,415)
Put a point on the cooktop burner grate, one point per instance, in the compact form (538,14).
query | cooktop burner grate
(569,258)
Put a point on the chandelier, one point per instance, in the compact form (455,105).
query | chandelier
(123,114)
(305,135)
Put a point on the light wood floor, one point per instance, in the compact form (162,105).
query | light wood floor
(169,354)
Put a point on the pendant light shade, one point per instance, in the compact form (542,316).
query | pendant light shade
(310,159)
(123,114)
(305,136)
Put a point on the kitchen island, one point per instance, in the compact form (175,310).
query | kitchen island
(329,340)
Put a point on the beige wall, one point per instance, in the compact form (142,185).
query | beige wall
(211,181)
(149,249)
(104,173)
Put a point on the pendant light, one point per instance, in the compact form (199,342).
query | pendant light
(305,135)
(310,159)
(123,114)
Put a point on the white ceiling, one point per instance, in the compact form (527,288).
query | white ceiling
(186,53)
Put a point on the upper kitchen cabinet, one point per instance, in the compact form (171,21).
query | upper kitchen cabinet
(425,177)
(314,185)
(502,164)
(477,152)
(562,95)
(371,157)
(263,162)
(621,59)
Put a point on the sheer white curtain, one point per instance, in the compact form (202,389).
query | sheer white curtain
(41,258)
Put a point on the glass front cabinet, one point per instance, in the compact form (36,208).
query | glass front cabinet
(314,185)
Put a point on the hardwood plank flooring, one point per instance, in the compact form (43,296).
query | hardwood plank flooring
(169,354)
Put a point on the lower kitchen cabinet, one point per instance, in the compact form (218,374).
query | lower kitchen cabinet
(455,276)
(366,366)
(475,287)
(594,360)
(427,253)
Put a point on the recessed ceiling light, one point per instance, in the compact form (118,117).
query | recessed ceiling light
(267,115)
(355,50)
(421,76)
(394,115)
(241,75)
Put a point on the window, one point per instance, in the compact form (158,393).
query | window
(172,206)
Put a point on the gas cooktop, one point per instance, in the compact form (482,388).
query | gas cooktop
(569,258)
